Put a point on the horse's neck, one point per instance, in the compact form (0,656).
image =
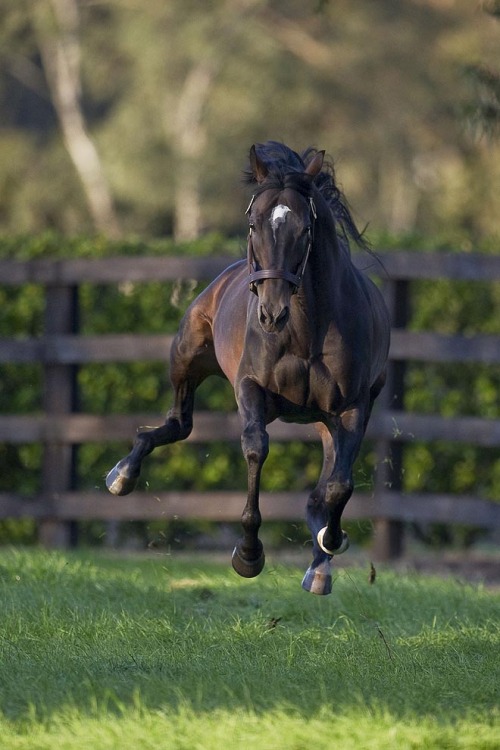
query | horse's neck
(323,294)
(327,264)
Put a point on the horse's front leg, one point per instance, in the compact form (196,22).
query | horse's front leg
(248,556)
(191,360)
(122,479)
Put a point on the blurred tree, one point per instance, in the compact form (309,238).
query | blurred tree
(173,94)
(42,54)
(185,112)
(56,26)
(483,113)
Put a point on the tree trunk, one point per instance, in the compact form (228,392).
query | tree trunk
(189,137)
(57,32)
(184,120)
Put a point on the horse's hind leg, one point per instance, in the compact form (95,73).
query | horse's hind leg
(192,359)
(339,486)
(318,577)
(347,437)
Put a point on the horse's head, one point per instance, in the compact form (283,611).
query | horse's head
(281,218)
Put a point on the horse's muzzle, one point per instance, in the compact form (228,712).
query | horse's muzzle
(273,320)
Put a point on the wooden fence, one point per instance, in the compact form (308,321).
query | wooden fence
(61,350)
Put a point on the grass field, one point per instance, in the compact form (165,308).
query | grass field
(102,652)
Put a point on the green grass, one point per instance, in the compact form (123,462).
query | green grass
(107,652)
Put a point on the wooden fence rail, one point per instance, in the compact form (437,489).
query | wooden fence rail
(60,427)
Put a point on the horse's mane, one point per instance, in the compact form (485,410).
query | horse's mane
(286,169)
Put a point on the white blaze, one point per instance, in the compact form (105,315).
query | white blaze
(278,216)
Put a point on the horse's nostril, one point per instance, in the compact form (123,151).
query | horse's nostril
(272,321)
(283,315)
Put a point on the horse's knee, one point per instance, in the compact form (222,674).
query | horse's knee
(338,493)
(174,429)
(255,445)
(315,502)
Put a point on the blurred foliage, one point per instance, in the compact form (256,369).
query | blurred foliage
(446,389)
(483,111)
(173,95)
(450,389)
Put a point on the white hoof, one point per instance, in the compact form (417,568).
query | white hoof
(318,580)
(343,547)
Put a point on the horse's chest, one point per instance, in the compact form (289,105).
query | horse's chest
(308,384)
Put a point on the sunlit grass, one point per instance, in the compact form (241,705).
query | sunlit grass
(98,651)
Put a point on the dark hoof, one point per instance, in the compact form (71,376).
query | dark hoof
(318,580)
(118,482)
(248,568)
(343,547)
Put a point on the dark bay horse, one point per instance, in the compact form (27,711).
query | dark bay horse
(302,336)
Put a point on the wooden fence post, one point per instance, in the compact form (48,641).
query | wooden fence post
(59,397)
(388,541)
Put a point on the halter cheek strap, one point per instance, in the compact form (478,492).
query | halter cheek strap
(295,279)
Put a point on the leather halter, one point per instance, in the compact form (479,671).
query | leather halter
(295,279)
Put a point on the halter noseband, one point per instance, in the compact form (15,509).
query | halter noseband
(295,279)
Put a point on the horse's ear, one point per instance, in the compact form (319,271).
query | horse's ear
(315,165)
(259,169)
